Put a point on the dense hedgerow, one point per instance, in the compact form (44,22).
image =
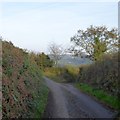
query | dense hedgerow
(102,74)
(24,91)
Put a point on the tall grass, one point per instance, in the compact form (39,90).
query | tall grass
(62,74)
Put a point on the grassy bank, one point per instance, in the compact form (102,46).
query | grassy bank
(24,91)
(104,97)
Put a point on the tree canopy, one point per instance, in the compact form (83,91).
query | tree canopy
(94,42)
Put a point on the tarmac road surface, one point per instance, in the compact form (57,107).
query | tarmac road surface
(65,101)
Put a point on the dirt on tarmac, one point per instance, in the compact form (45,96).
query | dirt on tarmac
(65,101)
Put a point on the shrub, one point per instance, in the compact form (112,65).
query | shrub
(102,74)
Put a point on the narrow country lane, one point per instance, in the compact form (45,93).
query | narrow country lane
(65,101)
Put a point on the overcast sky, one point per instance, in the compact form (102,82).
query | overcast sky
(34,25)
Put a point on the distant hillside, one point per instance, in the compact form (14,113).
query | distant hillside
(72,60)
(68,59)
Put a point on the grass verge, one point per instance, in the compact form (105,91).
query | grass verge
(41,102)
(111,101)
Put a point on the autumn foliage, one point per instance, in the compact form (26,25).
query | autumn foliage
(24,92)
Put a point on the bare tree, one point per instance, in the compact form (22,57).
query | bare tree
(56,52)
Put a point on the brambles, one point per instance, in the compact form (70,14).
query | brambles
(22,84)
